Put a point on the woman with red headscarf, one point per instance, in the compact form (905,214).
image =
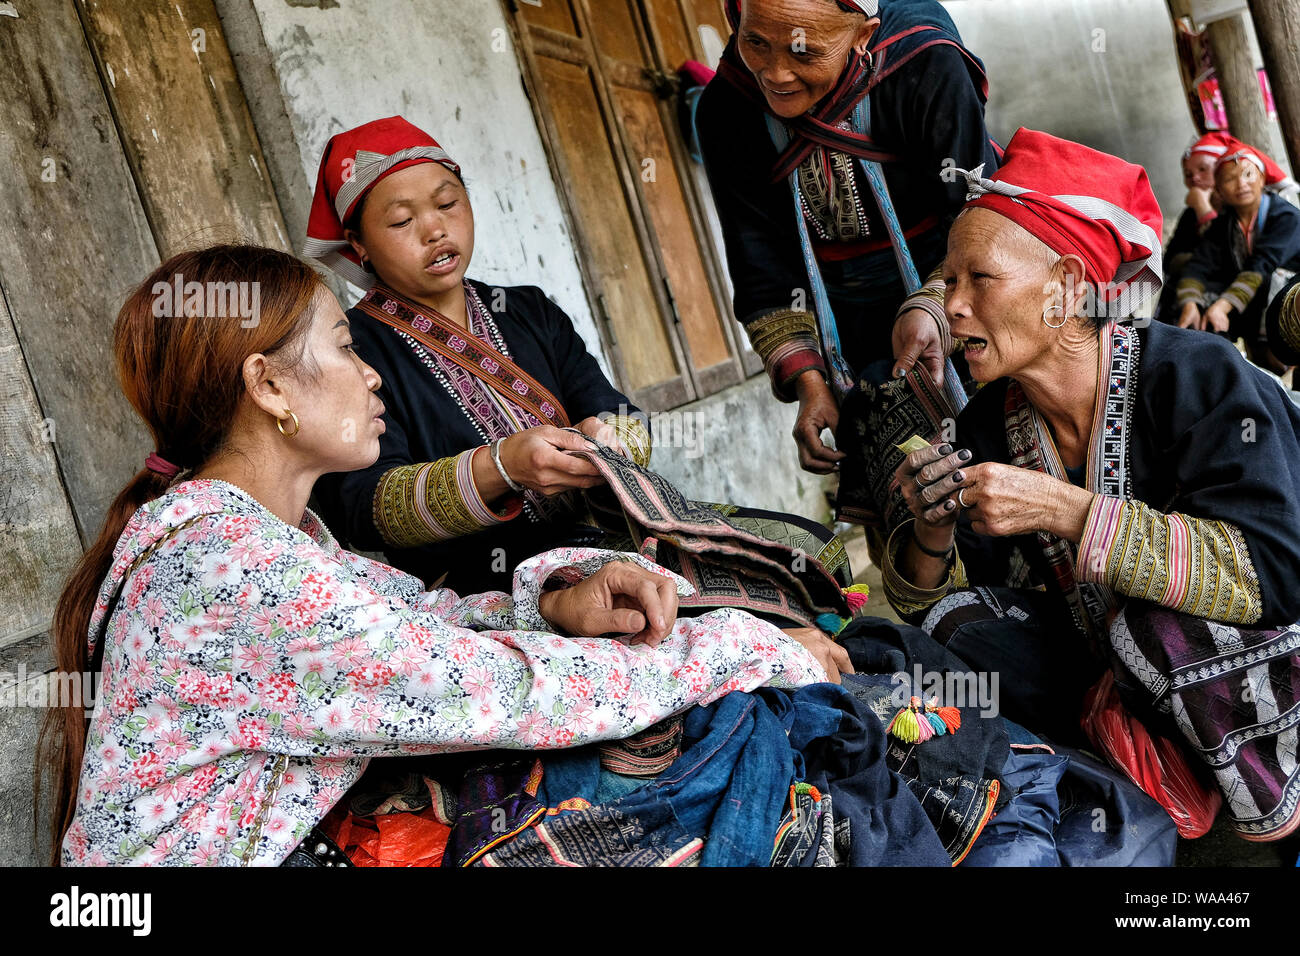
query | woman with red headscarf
(484,386)
(1114,494)
(1203,205)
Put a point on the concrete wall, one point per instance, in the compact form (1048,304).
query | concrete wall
(1100,72)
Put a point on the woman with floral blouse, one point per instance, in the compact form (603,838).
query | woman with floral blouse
(250,667)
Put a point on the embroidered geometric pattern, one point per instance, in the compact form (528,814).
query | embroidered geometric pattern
(435,501)
(787,342)
(1188,564)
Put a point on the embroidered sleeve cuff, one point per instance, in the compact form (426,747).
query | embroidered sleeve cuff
(633,434)
(1243,289)
(569,566)
(1190,290)
(786,341)
(1193,565)
(906,598)
(435,501)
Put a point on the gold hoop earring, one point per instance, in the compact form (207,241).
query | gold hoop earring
(297,425)
(1052,308)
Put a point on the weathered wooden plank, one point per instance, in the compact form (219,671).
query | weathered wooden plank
(75,240)
(38,537)
(184,122)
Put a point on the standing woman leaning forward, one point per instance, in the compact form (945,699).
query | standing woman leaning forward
(830,136)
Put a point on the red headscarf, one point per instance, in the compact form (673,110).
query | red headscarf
(353,163)
(1219,146)
(1081,202)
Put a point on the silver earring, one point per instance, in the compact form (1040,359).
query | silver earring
(1055,308)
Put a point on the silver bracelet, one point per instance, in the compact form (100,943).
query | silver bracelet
(495,451)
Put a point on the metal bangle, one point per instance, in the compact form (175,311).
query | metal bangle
(495,451)
(945,555)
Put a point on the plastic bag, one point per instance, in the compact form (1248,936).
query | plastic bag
(1154,763)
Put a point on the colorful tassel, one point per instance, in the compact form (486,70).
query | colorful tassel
(950,716)
(832,624)
(905,727)
(857,596)
(916,723)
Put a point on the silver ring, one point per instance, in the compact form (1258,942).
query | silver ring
(961,499)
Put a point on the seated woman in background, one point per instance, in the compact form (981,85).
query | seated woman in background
(251,667)
(474,473)
(1229,280)
(1119,495)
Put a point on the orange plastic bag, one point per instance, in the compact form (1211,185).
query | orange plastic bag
(1154,763)
(391,839)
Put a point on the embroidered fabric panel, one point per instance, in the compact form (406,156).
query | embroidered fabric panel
(828,192)
(434,501)
(787,342)
(1247,740)
(1193,565)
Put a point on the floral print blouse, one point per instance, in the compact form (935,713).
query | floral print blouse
(252,669)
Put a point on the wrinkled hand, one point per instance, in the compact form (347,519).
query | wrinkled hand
(833,658)
(1003,500)
(1216,317)
(817,411)
(917,338)
(1191,317)
(602,432)
(536,458)
(620,598)
(929,479)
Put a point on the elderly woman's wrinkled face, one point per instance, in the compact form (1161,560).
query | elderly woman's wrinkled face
(797,49)
(999,283)
(1239,183)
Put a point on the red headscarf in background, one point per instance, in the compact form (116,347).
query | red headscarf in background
(1218,146)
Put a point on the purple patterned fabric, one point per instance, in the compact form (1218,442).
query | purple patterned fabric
(1235,696)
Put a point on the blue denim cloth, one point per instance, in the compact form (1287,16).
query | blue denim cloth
(1070,810)
(729,786)
(843,748)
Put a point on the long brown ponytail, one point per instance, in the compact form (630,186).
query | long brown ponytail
(180,350)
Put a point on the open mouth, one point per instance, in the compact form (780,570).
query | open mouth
(444,263)
(972,345)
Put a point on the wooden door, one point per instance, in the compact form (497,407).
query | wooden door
(610,228)
(608,109)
